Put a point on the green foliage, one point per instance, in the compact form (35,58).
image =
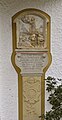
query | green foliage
(55,98)
(54,88)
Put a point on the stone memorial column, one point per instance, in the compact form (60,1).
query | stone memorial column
(31,58)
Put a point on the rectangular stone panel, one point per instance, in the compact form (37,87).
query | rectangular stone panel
(31,98)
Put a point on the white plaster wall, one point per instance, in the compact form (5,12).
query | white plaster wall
(8,76)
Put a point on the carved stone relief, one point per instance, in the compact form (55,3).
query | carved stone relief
(31,98)
(31,31)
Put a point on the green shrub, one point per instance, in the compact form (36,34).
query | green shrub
(54,88)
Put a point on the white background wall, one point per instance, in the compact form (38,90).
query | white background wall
(8,76)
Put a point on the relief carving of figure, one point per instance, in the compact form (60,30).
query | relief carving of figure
(31,37)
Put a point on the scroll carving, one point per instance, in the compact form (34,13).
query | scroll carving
(31,97)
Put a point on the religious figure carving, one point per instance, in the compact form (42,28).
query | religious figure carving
(30,35)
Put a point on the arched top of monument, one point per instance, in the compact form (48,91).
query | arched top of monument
(31,29)
(32,11)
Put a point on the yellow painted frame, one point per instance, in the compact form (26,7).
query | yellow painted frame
(20,103)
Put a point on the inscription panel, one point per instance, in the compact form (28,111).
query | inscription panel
(32,63)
